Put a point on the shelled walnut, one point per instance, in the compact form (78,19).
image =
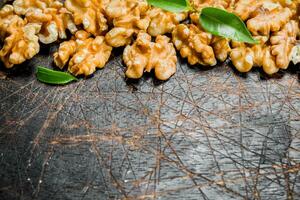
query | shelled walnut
(221,47)
(242,57)
(283,42)
(269,21)
(128,17)
(292,5)
(20,44)
(22,6)
(90,14)
(295,54)
(83,53)
(199,4)
(163,22)
(55,21)
(19,36)
(194,44)
(245,57)
(145,55)
(8,20)
(246,9)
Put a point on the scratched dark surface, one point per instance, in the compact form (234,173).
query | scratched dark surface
(204,134)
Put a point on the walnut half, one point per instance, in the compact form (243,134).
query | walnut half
(89,13)
(283,42)
(20,38)
(55,21)
(83,53)
(21,44)
(145,55)
(9,20)
(269,21)
(194,44)
(295,54)
(22,6)
(163,22)
(128,18)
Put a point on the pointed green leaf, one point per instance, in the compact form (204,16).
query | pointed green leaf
(49,76)
(222,23)
(171,5)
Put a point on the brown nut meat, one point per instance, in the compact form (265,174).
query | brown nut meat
(163,22)
(127,13)
(9,21)
(244,57)
(55,22)
(199,4)
(194,44)
(22,6)
(89,13)
(292,5)
(20,45)
(295,54)
(269,21)
(84,54)
(119,36)
(283,42)
(128,17)
(145,55)
(246,8)
(221,47)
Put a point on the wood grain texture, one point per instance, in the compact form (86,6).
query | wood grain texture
(204,134)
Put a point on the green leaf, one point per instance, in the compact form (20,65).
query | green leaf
(49,76)
(222,23)
(171,5)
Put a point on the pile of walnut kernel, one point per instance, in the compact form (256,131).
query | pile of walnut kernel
(98,26)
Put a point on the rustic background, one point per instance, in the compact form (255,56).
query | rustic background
(204,134)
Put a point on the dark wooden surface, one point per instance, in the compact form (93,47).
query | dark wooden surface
(204,134)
